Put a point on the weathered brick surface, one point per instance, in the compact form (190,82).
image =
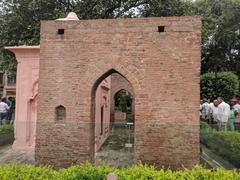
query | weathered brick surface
(163,69)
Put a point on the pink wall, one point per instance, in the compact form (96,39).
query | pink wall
(26,100)
(102,111)
(26,95)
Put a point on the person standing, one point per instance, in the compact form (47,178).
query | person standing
(3,111)
(236,106)
(8,101)
(215,115)
(203,109)
(231,118)
(13,110)
(200,109)
(10,111)
(223,112)
(210,111)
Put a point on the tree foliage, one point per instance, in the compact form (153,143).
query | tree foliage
(221,35)
(20,23)
(168,8)
(123,100)
(225,84)
(94,9)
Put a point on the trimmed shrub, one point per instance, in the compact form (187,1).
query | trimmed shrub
(26,172)
(203,125)
(224,143)
(6,129)
(225,84)
(6,134)
(90,172)
(86,171)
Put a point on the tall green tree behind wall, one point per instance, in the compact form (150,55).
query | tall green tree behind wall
(20,25)
(225,84)
(220,35)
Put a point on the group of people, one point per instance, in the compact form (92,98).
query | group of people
(7,109)
(226,116)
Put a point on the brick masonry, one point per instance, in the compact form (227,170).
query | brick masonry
(162,67)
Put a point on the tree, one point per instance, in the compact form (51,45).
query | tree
(94,9)
(123,100)
(168,8)
(220,35)
(20,20)
(20,25)
(225,84)
(220,29)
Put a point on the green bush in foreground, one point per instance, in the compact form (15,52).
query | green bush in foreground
(223,143)
(90,172)
(5,129)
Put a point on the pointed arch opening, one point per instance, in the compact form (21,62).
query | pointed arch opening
(111,139)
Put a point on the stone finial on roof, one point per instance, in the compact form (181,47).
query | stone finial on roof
(70,16)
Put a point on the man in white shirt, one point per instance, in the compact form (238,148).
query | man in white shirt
(3,112)
(236,106)
(213,111)
(223,112)
(209,112)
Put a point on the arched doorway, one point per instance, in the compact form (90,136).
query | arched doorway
(113,141)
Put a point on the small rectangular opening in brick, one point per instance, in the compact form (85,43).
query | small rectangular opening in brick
(161,28)
(61,31)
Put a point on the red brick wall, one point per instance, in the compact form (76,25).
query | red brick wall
(163,69)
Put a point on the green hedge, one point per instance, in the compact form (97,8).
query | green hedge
(203,125)
(225,84)
(6,134)
(223,143)
(6,129)
(89,172)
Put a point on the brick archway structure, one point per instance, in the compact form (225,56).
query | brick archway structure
(160,57)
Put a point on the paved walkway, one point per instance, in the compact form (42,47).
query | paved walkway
(116,150)
(8,155)
(114,153)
